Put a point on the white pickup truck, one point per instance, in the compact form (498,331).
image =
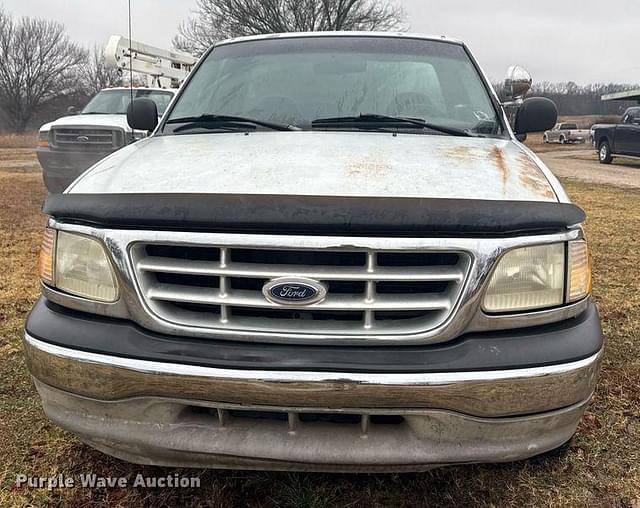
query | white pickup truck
(566,133)
(70,145)
(331,254)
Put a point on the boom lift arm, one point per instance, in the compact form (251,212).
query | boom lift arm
(165,69)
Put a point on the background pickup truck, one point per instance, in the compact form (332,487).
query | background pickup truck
(564,133)
(618,140)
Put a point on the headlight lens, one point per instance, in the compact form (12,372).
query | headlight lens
(82,268)
(528,278)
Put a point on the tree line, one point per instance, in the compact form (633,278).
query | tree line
(577,100)
(42,71)
(40,65)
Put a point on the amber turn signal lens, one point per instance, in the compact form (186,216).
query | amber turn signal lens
(47,251)
(579,271)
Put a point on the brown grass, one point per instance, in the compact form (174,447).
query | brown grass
(27,140)
(602,467)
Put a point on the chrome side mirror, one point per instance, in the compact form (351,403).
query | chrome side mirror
(516,84)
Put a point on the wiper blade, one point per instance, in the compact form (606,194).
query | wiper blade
(373,120)
(192,122)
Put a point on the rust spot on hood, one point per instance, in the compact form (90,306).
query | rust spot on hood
(497,156)
(532,177)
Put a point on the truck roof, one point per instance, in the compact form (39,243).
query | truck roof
(291,35)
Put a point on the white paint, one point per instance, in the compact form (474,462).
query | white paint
(322,164)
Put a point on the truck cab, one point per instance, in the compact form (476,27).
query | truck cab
(332,253)
(70,145)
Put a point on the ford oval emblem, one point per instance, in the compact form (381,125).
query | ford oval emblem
(83,139)
(294,291)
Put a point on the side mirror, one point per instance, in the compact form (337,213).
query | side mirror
(536,114)
(142,115)
(517,83)
(71,110)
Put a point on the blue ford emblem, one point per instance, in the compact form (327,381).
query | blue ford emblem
(294,292)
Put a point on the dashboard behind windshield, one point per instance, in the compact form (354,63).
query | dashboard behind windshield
(297,80)
(116,102)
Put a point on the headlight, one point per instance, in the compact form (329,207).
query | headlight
(533,278)
(43,139)
(78,265)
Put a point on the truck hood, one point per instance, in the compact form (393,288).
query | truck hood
(323,164)
(90,121)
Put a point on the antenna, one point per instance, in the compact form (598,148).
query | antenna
(130,60)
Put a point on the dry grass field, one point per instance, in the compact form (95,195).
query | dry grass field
(602,467)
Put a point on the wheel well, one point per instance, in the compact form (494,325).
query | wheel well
(602,140)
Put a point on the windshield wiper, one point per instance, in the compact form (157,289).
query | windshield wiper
(370,120)
(208,120)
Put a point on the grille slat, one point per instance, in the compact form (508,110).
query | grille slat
(264,271)
(369,292)
(205,296)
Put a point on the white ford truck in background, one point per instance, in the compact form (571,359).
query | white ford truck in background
(331,254)
(70,145)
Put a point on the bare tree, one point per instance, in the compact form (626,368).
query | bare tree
(220,19)
(38,63)
(96,75)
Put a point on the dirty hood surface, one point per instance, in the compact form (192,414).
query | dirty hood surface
(322,164)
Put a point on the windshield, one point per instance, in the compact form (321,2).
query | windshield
(295,81)
(116,102)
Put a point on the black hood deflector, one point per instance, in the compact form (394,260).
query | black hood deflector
(313,215)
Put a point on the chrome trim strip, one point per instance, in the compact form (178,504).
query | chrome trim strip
(489,394)
(464,317)
(435,379)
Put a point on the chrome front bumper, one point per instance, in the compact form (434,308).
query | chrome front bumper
(186,415)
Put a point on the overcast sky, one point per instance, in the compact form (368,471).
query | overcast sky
(556,41)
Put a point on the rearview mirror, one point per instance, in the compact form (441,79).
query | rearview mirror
(536,114)
(517,83)
(142,115)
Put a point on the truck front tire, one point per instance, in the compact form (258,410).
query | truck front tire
(604,153)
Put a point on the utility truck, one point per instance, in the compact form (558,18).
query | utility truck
(331,254)
(72,144)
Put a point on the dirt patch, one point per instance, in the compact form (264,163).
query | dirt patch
(19,160)
(371,165)
(583,165)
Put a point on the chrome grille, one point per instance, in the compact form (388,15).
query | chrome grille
(369,292)
(90,140)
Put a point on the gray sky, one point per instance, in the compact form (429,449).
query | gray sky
(593,43)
